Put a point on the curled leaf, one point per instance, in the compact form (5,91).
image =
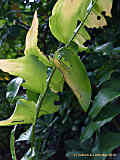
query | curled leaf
(25,113)
(31,38)
(31,47)
(13,88)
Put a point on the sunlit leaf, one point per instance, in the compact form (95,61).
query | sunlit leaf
(64,19)
(75,75)
(31,38)
(33,66)
(24,113)
(2,22)
(48,106)
(66,14)
(31,47)
(33,71)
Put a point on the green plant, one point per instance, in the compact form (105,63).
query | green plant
(45,76)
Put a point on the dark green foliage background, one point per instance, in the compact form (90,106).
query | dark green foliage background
(59,133)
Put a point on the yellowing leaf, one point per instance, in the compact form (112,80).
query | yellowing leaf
(99,7)
(64,19)
(75,75)
(66,14)
(31,38)
(31,47)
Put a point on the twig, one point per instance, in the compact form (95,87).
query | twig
(38,106)
(12,143)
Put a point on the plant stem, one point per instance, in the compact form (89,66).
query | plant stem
(38,106)
(41,97)
(12,143)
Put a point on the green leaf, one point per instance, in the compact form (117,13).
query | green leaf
(106,47)
(2,22)
(66,14)
(108,112)
(57,82)
(74,74)
(116,50)
(105,144)
(109,92)
(103,74)
(25,113)
(81,37)
(31,47)
(13,88)
(32,67)
(33,71)
(88,131)
(12,143)
(106,115)
(32,96)
(109,141)
(48,106)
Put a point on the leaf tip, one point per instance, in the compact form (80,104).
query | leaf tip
(31,38)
